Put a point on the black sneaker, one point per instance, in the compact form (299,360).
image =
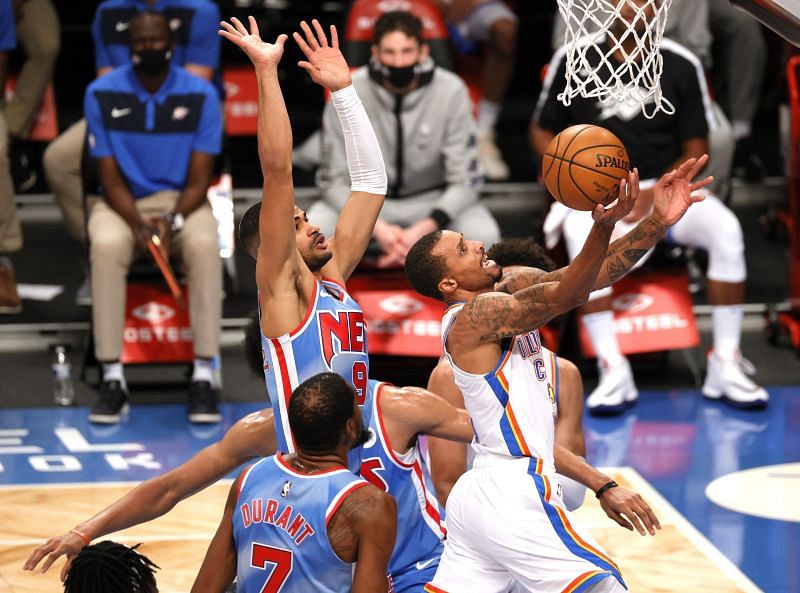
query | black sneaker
(203,398)
(111,404)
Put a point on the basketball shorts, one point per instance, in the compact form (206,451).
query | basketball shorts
(508,529)
(414,578)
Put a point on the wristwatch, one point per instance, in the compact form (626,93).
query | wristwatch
(175,220)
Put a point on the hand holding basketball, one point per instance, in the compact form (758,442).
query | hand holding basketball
(675,191)
(583,165)
(628,192)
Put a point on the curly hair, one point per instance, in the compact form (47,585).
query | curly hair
(521,251)
(109,567)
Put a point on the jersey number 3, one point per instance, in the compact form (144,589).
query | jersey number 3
(282,561)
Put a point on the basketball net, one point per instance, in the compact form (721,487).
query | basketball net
(592,72)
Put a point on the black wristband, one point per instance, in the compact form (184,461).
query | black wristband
(604,487)
(440,217)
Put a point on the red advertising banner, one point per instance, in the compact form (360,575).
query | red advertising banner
(45,123)
(400,321)
(156,328)
(241,101)
(652,312)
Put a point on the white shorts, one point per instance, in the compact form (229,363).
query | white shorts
(507,528)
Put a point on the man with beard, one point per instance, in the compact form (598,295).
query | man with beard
(302,521)
(422,118)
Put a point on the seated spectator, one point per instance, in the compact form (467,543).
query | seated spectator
(111,568)
(492,24)
(421,115)
(656,146)
(39,33)
(193,24)
(154,129)
(10,227)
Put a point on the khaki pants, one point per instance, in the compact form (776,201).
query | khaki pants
(112,248)
(10,228)
(62,167)
(39,35)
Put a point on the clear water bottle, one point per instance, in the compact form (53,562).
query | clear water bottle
(63,391)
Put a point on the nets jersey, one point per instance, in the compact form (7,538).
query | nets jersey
(513,407)
(280,529)
(406,478)
(331,338)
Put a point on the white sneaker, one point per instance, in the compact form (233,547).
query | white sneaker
(726,381)
(492,163)
(615,391)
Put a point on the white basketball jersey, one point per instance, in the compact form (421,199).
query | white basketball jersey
(513,407)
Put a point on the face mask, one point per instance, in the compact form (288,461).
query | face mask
(400,77)
(151,61)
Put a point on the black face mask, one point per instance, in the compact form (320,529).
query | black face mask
(151,61)
(400,77)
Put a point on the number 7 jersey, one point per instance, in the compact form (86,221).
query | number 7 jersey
(331,338)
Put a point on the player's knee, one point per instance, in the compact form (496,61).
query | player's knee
(726,249)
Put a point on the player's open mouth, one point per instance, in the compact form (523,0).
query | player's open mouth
(320,242)
(485,262)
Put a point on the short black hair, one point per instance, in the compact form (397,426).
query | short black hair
(398,20)
(521,251)
(155,14)
(319,410)
(423,269)
(253,350)
(248,226)
(109,567)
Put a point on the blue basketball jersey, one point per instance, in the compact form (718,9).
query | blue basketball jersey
(331,338)
(420,519)
(280,529)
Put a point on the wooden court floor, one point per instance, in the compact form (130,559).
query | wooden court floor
(678,559)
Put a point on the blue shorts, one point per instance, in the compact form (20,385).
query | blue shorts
(414,578)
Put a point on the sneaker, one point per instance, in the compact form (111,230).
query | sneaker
(726,381)
(616,390)
(111,404)
(23,175)
(494,167)
(9,297)
(203,398)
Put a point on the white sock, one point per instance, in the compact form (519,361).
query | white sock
(600,327)
(488,113)
(112,371)
(203,370)
(727,321)
(740,129)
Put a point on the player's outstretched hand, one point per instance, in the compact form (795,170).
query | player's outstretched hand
(628,192)
(629,510)
(67,545)
(324,63)
(675,191)
(261,53)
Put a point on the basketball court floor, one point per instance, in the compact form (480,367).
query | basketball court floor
(724,483)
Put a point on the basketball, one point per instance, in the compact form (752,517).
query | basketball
(583,165)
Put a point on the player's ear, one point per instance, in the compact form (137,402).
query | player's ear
(447,286)
(424,51)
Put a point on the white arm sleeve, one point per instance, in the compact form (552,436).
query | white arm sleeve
(364,159)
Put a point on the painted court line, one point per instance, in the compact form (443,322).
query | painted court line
(650,494)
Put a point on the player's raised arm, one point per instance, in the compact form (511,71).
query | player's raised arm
(493,316)
(252,436)
(278,265)
(327,67)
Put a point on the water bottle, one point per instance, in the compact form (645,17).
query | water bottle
(63,391)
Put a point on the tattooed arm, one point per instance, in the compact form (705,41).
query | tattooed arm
(672,196)
(363,531)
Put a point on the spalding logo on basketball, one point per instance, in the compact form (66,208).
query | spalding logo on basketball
(583,165)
